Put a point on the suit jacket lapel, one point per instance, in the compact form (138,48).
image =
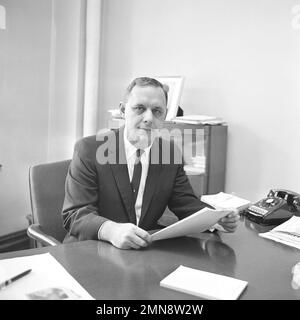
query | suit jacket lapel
(120,172)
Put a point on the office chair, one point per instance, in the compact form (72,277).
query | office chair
(47,191)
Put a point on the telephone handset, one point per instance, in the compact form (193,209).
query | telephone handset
(279,206)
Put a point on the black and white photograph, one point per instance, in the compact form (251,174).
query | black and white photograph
(149,154)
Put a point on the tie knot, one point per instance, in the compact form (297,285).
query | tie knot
(139,153)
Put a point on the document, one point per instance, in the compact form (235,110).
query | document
(198,222)
(204,284)
(224,200)
(48,280)
(287,233)
(198,119)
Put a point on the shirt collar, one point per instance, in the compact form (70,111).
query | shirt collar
(130,149)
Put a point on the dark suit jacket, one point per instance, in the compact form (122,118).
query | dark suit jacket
(97,192)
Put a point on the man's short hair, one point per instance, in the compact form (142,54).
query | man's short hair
(144,82)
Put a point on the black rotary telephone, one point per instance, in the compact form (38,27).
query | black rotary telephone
(279,206)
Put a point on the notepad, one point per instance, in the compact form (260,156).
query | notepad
(204,284)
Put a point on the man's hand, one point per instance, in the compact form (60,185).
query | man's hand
(125,235)
(230,222)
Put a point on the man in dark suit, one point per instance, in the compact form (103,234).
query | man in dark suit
(118,186)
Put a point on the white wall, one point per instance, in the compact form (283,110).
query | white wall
(66,78)
(241,62)
(40,95)
(24,84)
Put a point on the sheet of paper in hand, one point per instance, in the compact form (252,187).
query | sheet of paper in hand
(198,222)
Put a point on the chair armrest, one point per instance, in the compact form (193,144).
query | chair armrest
(34,231)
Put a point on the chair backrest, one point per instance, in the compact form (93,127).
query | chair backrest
(47,191)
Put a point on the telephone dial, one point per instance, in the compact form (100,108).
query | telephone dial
(279,206)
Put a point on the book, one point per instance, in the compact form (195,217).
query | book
(204,284)
(224,200)
(287,233)
(200,221)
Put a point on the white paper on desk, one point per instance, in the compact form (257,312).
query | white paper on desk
(225,201)
(287,233)
(48,280)
(198,222)
(204,284)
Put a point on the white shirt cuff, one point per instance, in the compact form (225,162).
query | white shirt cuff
(99,231)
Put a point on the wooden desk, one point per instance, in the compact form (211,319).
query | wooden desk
(108,273)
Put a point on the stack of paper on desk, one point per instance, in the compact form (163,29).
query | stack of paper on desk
(48,280)
(204,284)
(287,233)
(195,223)
(225,201)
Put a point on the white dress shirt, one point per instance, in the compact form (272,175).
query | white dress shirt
(130,151)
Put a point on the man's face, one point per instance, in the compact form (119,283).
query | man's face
(145,111)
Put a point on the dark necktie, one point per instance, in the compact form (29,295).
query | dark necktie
(137,172)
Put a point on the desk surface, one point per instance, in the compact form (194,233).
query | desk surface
(108,273)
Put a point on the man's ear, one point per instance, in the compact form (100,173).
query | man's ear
(166,113)
(122,109)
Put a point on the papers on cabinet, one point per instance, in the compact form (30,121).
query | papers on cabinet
(198,119)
